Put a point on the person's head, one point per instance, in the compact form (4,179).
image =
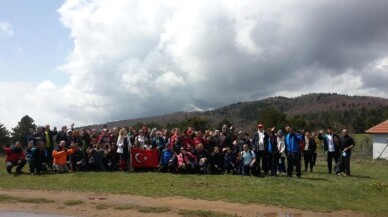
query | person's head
(200,146)
(183,150)
(345,132)
(168,147)
(245,147)
(224,129)
(82,132)
(64,128)
(240,134)
(47,127)
(216,149)
(98,146)
(216,133)
(18,144)
(62,144)
(260,127)
(330,130)
(158,134)
(123,132)
(269,132)
(199,134)
(280,133)
(307,134)
(177,131)
(104,132)
(288,128)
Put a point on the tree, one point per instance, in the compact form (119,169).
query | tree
(298,122)
(197,123)
(224,121)
(5,137)
(20,132)
(271,117)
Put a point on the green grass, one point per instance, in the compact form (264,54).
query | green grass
(154,209)
(202,213)
(102,206)
(7,198)
(126,206)
(73,202)
(364,192)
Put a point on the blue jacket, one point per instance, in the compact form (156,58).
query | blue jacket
(292,142)
(166,157)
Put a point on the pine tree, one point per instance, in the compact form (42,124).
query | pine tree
(21,131)
(5,138)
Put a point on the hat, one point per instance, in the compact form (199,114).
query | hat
(260,126)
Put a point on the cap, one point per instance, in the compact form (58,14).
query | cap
(260,126)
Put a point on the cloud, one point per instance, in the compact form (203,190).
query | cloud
(141,58)
(6,29)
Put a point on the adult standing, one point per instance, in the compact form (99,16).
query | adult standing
(259,146)
(49,144)
(331,146)
(309,149)
(347,144)
(273,151)
(293,152)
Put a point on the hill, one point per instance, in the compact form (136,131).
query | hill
(313,111)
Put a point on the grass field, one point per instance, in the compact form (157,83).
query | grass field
(366,191)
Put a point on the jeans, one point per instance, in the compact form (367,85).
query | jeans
(293,159)
(330,157)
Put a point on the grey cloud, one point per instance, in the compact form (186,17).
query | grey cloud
(293,50)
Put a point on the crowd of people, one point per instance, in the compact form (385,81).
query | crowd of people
(180,151)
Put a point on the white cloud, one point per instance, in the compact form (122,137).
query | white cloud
(6,29)
(148,57)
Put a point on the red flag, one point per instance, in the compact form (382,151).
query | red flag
(144,158)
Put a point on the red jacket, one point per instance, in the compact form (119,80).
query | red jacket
(12,156)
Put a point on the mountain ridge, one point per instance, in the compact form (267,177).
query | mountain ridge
(244,115)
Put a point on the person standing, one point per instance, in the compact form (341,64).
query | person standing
(293,152)
(309,149)
(331,147)
(49,144)
(273,151)
(259,146)
(347,144)
(282,154)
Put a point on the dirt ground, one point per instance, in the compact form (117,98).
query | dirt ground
(96,204)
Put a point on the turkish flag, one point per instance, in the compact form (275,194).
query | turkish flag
(144,158)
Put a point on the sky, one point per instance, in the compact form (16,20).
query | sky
(94,61)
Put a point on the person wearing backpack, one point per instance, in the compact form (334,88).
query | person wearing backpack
(248,160)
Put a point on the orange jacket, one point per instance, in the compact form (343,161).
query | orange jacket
(60,157)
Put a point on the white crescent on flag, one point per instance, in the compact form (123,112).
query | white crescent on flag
(142,157)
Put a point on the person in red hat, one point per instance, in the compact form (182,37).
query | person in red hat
(259,146)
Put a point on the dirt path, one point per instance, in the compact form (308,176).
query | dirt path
(96,204)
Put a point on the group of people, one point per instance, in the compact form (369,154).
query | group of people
(180,151)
